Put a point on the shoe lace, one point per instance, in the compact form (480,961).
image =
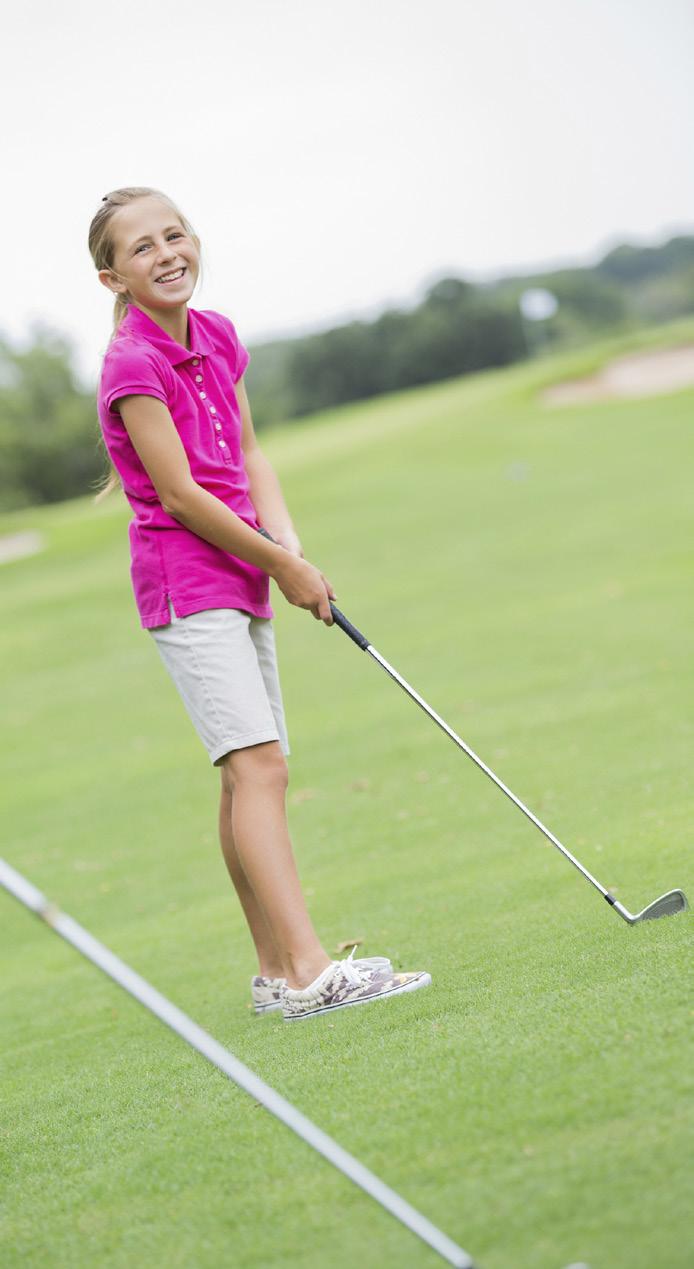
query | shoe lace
(352,972)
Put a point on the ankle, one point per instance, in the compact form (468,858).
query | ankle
(302,971)
(270,969)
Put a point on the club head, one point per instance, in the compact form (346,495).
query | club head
(667,905)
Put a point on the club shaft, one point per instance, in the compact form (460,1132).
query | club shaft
(197,1038)
(487,770)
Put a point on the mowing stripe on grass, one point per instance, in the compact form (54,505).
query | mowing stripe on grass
(99,955)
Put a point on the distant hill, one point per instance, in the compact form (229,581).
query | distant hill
(460,326)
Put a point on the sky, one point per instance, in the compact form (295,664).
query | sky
(336,159)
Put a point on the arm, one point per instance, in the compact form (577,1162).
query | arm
(160,449)
(266,494)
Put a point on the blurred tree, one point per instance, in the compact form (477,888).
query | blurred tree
(331,368)
(453,331)
(50,445)
(628,264)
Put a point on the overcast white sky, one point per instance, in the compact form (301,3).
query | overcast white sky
(336,158)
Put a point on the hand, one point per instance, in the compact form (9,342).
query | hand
(305,586)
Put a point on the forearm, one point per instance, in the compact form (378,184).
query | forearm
(266,494)
(206,515)
(300,582)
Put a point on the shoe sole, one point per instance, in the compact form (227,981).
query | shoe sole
(262,1009)
(422,980)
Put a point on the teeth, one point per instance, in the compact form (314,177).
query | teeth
(168,277)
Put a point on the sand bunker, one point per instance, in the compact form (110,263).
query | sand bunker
(16,545)
(646,374)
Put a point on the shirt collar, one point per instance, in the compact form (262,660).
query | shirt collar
(137,321)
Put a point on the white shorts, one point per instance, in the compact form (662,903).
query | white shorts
(224,664)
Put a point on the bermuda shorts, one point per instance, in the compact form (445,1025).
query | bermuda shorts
(224,664)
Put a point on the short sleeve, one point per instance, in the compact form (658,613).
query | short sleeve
(131,368)
(241,355)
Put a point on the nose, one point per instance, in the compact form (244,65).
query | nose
(166,250)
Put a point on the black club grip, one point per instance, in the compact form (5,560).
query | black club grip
(355,635)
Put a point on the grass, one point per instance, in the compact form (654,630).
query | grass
(529,571)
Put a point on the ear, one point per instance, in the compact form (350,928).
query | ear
(110,281)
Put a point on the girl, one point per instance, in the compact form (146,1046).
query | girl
(177,425)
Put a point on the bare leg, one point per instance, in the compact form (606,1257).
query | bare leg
(269,962)
(256,781)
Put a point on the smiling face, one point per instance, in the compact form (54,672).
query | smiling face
(155,262)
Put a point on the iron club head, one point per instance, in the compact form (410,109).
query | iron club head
(666,905)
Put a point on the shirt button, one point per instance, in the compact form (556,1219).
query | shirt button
(196,361)
(203,395)
(222,444)
(212,410)
(218,427)
(198,378)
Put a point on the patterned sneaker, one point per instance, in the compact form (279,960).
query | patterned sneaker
(266,993)
(348,982)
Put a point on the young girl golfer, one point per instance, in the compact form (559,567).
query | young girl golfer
(176,422)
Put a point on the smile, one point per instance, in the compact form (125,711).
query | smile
(171,277)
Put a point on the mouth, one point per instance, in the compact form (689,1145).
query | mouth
(167,279)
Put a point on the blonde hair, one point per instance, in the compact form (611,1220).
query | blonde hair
(102,248)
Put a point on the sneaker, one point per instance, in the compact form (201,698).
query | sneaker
(348,982)
(266,993)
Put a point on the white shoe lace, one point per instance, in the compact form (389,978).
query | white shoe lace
(353,973)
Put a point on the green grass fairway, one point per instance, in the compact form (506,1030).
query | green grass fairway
(529,571)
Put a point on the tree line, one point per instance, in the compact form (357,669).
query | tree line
(50,444)
(459,327)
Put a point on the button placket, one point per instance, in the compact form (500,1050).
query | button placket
(222,447)
(220,444)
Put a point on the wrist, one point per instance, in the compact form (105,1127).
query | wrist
(285,535)
(281,564)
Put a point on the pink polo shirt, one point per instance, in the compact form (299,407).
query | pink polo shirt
(197,385)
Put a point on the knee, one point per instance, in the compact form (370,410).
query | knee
(260,765)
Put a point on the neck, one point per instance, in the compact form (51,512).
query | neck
(173,320)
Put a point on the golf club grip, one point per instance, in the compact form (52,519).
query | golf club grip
(338,617)
(355,635)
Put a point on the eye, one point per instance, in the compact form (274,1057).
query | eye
(174,234)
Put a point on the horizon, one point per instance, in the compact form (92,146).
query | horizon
(369,314)
(335,164)
(483,278)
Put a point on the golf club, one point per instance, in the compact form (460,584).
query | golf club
(141,990)
(666,905)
